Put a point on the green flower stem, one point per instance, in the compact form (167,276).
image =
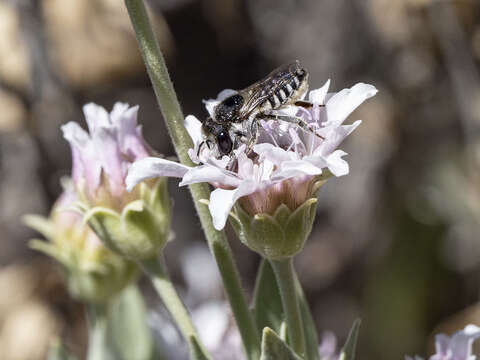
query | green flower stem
(173,116)
(98,343)
(285,275)
(156,270)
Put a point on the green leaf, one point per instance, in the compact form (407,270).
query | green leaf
(266,299)
(269,310)
(274,348)
(309,328)
(196,352)
(348,350)
(127,323)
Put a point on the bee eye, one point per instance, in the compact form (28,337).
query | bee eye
(224,143)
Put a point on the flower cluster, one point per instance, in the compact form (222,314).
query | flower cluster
(456,347)
(275,185)
(288,157)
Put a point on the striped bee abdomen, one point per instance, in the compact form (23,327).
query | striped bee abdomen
(286,87)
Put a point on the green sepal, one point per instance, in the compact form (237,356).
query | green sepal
(138,233)
(348,350)
(39,223)
(274,348)
(145,231)
(106,224)
(276,237)
(97,287)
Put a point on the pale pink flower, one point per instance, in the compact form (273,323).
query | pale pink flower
(101,156)
(289,159)
(456,347)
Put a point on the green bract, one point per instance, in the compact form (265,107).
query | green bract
(278,236)
(92,273)
(142,228)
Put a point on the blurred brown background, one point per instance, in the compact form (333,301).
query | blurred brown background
(396,242)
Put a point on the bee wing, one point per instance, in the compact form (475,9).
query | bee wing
(255,98)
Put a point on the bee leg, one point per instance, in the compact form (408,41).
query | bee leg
(305,104)
(253,136)
(295,120)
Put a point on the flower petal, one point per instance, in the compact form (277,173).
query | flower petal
(152,167)
(317,96)
(342,104)
(334,137)
(85,164)
(210,174)
(194,129)
(222,201)
(96,116)
(293,168)
(108,151)
(336,164)
(129,133)
(461,342)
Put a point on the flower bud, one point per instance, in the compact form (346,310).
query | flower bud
(135,224)
(92,272)
(276,222)
(142,227)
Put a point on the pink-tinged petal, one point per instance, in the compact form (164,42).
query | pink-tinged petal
(273,153)
(317,96)
(108,150)
(210,174)
(441,343)
(95,116)
(211,103)
(129,134)
(335,137)
(336,164)
(293,168)
(461,342)
(153,167)
(85,164)
(343,103)
(222,201)
(194,129)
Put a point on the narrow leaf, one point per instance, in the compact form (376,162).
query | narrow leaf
(266,299)
(127,323)
(196,352)
(274,348)
(309,328)
(348,350)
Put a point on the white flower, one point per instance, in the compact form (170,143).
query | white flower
(288,162)
(457,347)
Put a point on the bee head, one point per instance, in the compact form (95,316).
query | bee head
(228,110)
(216,134)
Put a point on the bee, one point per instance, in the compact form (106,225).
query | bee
(235,119)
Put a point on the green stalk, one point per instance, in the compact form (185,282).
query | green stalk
(170,108)
(98,343)
(156,270)
(285,275)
